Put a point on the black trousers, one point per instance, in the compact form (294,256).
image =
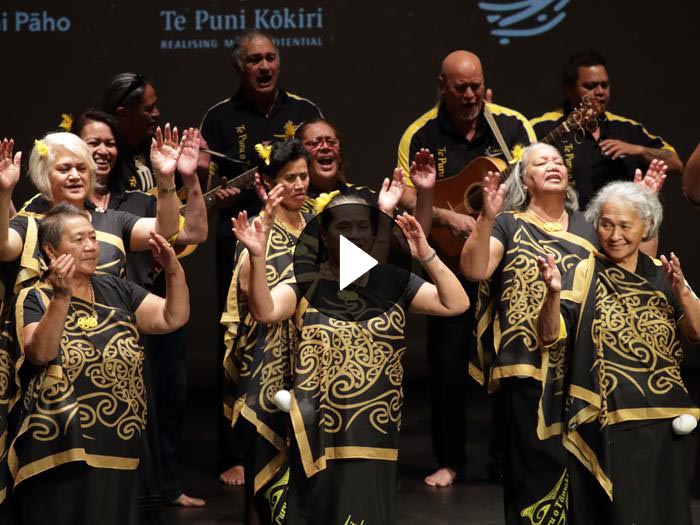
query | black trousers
(170,389)
(449,342)
(230,440)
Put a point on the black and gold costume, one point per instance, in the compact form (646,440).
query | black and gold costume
(346,405)
(507,359)
(613,385)
(258,364)
(86,408)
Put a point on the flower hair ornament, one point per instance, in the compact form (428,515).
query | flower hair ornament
(42,148)
(323,199)
(517,153)
(66,121)
(264,151)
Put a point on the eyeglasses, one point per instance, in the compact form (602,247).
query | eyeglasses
(318,142)
(138,82)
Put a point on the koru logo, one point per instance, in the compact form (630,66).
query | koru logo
(523,19)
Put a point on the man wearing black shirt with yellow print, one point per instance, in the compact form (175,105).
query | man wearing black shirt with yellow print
(456,132)
(614,149)
(260,112)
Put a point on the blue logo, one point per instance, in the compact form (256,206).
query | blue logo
(523,19)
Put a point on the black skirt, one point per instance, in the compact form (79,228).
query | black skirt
(649,479)
(535,478)
(76,493)
(346,492)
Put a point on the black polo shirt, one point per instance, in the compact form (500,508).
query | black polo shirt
(589,169)
(135,166)
(233,127)
(452,150)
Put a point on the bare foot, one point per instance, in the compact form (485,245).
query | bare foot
(233,476)
(183,500)
(442,477)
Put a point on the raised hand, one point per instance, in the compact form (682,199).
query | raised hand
(163,253)
(411,228)
(189,159)
(62,276)
(493,195)
(254,236)
(166,150)
(423,171)
(9,166)
(655,176)
(204,157)
(550,273)
(391,191)
(674,273)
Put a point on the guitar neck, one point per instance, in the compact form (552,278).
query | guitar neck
(244,180)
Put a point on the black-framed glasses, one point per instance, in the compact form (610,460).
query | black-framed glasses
(138,82)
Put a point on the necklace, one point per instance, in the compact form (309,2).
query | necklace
(86,322)
(550,226)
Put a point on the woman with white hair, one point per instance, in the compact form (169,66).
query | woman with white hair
(610,330)
(62,168)
(541,219)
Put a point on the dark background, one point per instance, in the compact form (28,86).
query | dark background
(373,75)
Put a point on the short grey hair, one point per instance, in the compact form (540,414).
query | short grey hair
(50,229)
(41,161)
(247,36)
(645,201)
(517,198)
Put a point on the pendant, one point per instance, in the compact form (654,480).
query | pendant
(550,227)
(86,322)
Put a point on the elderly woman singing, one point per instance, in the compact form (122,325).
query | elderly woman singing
(540,218)
(79,369)
(611,333)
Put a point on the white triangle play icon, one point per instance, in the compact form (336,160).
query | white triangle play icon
(354,262)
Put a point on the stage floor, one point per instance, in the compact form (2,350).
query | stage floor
(474,501)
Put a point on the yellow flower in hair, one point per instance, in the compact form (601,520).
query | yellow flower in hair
(66,121)
(517,153)
(322,200)
(41,147)
(264,151)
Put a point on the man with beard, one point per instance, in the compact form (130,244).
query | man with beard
(259,112)
(613,150)
(456,132)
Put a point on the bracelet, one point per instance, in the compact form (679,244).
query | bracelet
(429,259)
(173,189)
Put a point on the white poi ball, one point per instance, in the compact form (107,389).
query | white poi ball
(684,424)
(283,400)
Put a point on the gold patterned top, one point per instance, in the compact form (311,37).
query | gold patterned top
(507,304)
(617,359)
(257,360)
(347,394)
(89,403)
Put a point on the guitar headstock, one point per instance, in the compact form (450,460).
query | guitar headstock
(586,115)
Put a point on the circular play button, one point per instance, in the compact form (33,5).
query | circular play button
(352,262)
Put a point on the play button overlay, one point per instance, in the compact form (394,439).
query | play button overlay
(352,262)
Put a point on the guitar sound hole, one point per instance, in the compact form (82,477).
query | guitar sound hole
(472,198)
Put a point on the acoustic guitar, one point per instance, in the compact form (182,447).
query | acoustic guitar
(462,193)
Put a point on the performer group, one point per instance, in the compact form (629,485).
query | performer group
(538,275)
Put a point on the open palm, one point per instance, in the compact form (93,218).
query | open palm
(166,151)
